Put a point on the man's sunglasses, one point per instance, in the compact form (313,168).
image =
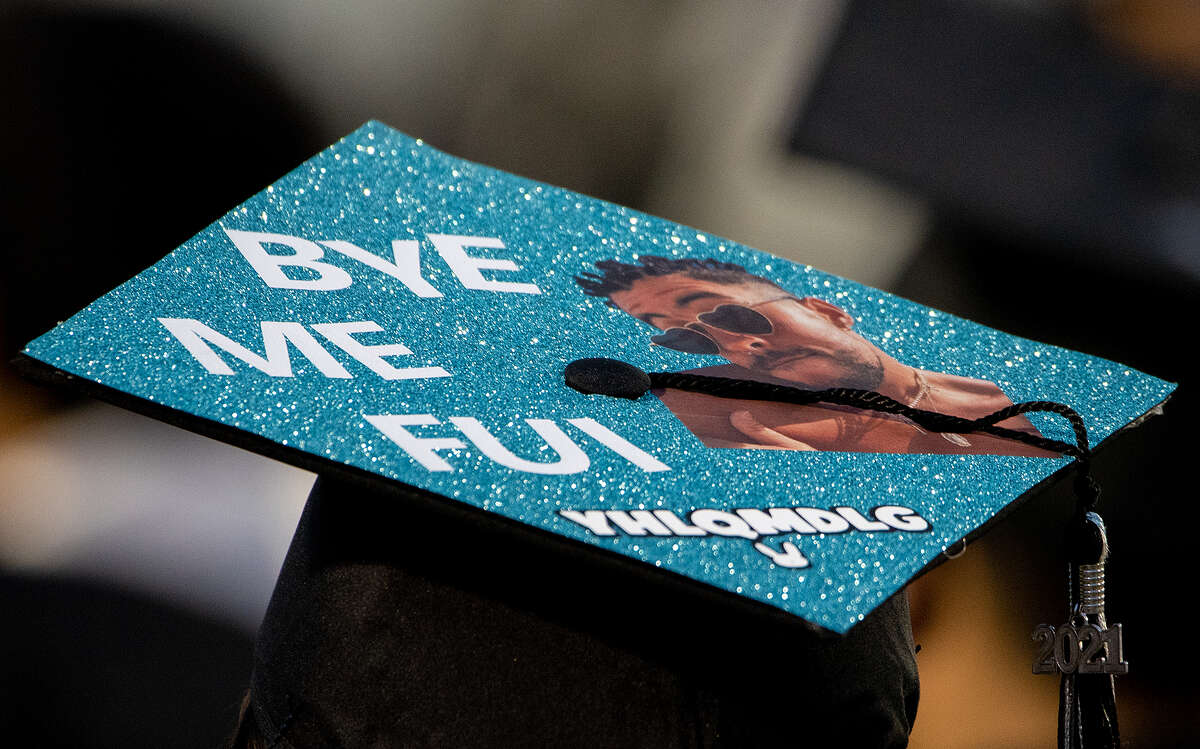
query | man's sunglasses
(739,319)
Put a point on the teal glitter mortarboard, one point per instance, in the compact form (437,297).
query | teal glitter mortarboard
(391,312)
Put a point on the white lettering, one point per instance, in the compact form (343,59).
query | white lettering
(196,337)
(901,518)
(341,334)
(823,521)
(721,523)
(859,522)
(620,445)
(677,526)
(466,267)
(305,254)
(790,557)
(638,522)
(422,449)
(570,458)
(593,520)
(406,268)
(775,520)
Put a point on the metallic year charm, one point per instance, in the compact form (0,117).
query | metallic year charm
(1084,648)
(1086,644)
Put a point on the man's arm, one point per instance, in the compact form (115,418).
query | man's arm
(762,435)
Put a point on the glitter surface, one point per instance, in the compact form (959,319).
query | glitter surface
(505,353)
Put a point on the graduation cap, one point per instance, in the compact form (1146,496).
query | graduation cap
(492,544)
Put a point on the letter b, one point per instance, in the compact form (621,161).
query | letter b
(305,254)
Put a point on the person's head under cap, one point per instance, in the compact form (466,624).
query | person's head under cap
(380,633)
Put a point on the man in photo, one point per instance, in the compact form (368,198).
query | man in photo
(706,306)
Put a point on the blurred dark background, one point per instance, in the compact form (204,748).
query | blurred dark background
(1031,165)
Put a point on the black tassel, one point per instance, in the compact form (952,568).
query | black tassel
(1087,706)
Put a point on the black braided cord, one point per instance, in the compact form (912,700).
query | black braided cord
(933,421)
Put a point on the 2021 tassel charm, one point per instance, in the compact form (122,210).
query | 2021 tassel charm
(1085,651)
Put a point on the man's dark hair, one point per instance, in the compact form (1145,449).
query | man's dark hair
(616,276)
